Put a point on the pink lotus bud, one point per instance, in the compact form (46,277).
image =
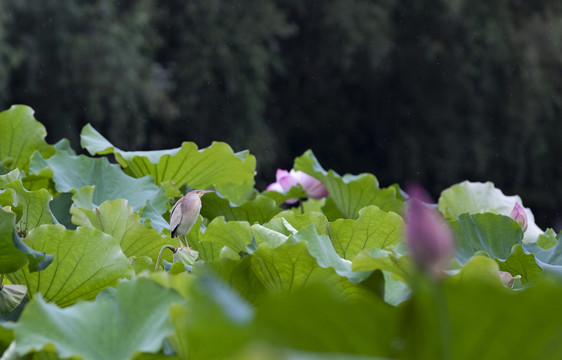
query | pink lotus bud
(518,214)
(429,238)
(285,180)
(506,278)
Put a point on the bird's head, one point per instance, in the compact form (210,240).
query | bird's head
(199,193)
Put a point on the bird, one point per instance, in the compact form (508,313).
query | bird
(184,214)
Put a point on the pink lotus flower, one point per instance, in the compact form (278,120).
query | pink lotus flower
(518,214)
(286,180)
(428,237)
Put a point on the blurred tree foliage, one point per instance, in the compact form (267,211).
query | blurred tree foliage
(434,91)
(220,55)
(87,61)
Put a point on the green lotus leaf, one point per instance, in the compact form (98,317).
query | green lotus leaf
(71,173)
(86,262)
(550,260)
(195,239)
(401,267)
(288,222)
(12,176)
(548,239)
(181,283)
(350,193)
(11,259)
(374,228)
(141,263)
(259,210)
(311,205)
(157,356)
(476,198)
(480,268)
(268,236)
(31,207)
(214,314)
(231,173)
(487,316)
(312,319)
(14,253)
(132,318)
(295,192)
(291,266)
(237,274)
(520,263)
(395,291)
(34,206)
(6,338)
(8,199)
(271,352)
(84,198)
(321,248)
(237,235)
(210,240)
(308,319)
(41,180)
(60,208)
(117,218)
(153,218)
(492,233)
(20,136)
(41,176)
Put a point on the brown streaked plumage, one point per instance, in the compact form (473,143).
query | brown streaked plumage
(184,214)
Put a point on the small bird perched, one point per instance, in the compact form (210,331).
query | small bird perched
(184,214)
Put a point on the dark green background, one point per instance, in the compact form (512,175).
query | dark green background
(434,91)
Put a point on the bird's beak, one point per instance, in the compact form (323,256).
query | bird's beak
(203,192)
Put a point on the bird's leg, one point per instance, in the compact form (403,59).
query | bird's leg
(181,243)
(185,240)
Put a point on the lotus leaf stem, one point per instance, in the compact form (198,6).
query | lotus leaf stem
(162,253)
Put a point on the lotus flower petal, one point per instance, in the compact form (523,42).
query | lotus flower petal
(287,182)
(275,187)
(312,186)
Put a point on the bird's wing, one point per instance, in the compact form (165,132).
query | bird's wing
(175,219)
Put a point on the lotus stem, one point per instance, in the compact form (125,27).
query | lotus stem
(444,321)
(162,253)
